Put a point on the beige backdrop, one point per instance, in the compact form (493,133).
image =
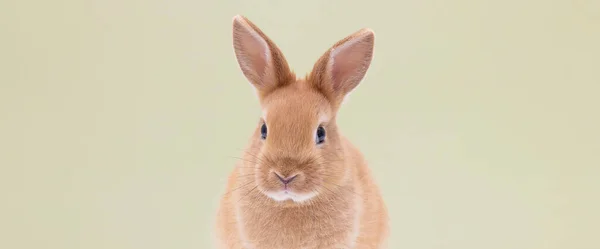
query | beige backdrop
(119,119)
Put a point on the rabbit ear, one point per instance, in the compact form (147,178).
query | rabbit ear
(260,60)
(344,66)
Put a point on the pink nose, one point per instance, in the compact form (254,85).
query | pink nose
(285,180)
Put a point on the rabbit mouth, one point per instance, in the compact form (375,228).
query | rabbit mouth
(288,194)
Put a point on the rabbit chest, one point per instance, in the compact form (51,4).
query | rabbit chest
(326,224)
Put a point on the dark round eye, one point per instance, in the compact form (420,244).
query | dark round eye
(320,135)
(263,131)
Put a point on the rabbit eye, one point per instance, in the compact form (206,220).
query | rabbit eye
(263,131)
(320,135)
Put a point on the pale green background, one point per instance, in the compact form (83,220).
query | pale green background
(119,119)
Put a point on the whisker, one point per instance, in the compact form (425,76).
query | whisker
(245,167)
(346,189)
(237,188)
(245,176)
(247,194)
(246,152)
(245,160)
(337,186)
(253,155)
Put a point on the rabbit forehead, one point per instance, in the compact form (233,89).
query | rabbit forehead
(292,117)
(296,105)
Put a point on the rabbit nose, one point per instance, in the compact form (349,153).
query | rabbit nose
(285,180)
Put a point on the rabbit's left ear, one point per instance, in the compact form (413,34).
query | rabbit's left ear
(344,65)
(259,58)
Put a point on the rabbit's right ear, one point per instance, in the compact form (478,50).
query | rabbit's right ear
(259,58)
(344,65)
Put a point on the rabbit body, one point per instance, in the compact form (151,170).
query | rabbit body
(300,183)
(352,217)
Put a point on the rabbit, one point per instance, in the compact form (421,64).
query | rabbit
(300,183)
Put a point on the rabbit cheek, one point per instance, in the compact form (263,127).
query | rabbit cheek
(264,179)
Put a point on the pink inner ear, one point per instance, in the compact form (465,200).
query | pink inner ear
(252,51)
(256,54)
(348,64)
(343,67)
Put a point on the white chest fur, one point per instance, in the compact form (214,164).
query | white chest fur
(322,225)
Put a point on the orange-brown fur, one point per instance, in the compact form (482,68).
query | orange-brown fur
(346,209)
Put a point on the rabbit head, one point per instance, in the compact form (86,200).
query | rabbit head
(296,152)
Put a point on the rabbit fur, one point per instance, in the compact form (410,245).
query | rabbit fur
(300,183)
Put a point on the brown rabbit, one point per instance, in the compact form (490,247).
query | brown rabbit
(301,184)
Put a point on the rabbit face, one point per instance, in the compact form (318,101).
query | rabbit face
(297,144)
